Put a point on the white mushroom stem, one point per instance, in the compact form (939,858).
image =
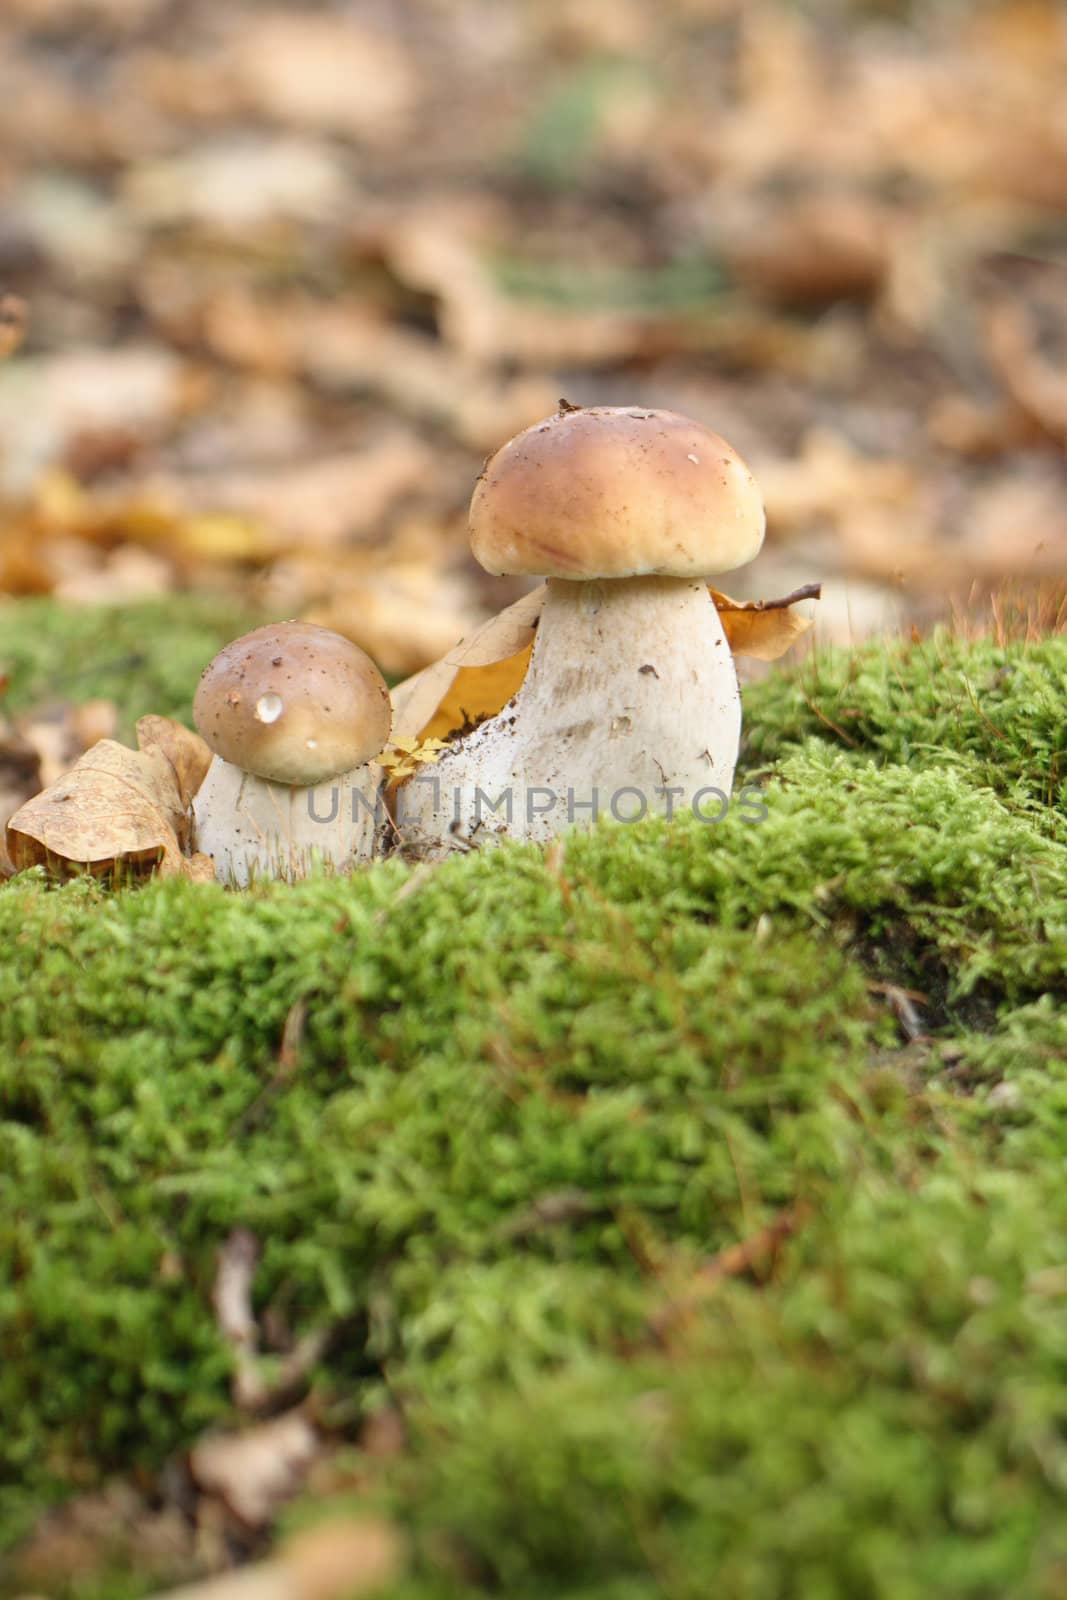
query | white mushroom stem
(255,829)
(630,707)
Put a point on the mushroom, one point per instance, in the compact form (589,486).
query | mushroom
(630,703)
(293,714)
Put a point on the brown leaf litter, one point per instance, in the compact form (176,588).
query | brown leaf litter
(118,811)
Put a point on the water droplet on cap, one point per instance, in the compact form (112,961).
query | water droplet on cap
(269,707)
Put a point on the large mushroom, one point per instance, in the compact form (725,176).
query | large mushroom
(630,703)
(293,714)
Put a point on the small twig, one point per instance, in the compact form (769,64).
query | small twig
(998,732)
(288,1060)
(828,721)
(292,1035)
(756,1254)
(548,1211)
(900,1001)
(807,591)
(231,1297)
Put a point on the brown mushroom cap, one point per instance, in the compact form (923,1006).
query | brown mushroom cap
(293,703)
(616,492)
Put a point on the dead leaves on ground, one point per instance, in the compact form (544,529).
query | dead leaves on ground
(37,747)
(336,1558)
(118,811)
(302,271)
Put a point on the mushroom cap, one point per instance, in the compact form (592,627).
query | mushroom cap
(293,703)
(616,492)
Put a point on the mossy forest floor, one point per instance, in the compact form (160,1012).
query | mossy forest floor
(611,1169)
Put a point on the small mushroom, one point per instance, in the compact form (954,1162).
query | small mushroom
(630,703)
(293,714)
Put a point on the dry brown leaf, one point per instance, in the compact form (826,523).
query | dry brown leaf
(240,183)
(47,402)
(509,634)
(1034,380)
(61,733)
(324,73)
(256,1471)
(404,619)
(351,347)
(12,323)
(830,481)
(125,575)
(478,692)
(199,868)
(116,809)
(20,779)
(95,1532)
(764,629)
(443,250)
(478,678)
(336,1560)
(187,753)
(343,1559)
(816,250)
(323,502)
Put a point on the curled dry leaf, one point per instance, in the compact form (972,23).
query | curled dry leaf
(765,629)
(483,672)
(477,672)
(185,750)
(116,809)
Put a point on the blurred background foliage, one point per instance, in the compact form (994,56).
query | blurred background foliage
(293,270)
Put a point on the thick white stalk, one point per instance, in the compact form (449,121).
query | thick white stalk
(630,707)
(255,829)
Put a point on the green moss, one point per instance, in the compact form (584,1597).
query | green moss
(887,1422)
(993,711)
(146,657)
(489,1119)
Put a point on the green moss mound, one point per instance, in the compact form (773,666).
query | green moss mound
(992,711)
(146,657)
(492,1121)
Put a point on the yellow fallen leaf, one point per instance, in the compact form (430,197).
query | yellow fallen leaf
(764,629)
(226,538)
(401,763)
(479,692)
(427,704)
